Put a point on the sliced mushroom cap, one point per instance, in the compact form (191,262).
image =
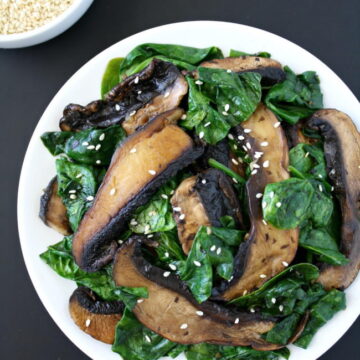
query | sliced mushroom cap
(154,90)
(52,210)
(96,317)
(270,70)
(342,154)
(172,312)
(201,201)
(267,250)
(140,165)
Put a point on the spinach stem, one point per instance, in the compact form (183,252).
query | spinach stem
(296,172)
(215,164)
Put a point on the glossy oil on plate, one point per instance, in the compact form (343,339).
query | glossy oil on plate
(83,87)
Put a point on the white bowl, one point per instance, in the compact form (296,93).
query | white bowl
(48,31)
(83,87)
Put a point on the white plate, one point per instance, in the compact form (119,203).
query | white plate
(83,87)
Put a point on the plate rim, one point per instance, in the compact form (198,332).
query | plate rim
(29,262)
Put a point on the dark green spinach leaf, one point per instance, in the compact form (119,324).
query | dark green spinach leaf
(237,53)
(111,76)
(299,96)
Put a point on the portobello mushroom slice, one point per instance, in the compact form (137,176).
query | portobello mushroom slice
(267,250)
(172,312)
(52,209)
(342,154)
(94,316)
(270,70)
(140,165)
(152,91)
(203,200)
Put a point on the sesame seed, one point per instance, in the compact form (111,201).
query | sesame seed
(264,222)
(167,94)
(78,176)
(207,124)
(102,137)
(273,300)
(240,137)
(90,198)
(266,163)
(245,148)
(182,217)
(254,172)
(332,188)
(183,326)
(228,71)
(139,92)
(262,276)
(133,222)
(139,301)
(230,136)
(247,131)
(248,145)
(183,117)
(256,166)
(235,147)
(235,162)
(177,209)
(72,196)
(98,162)
(172,267)
(136,80)
(164,196)
(197,263)
(213,248)
(332,172)
(252,310)
(72,191)
(245,292)
(166,254)
(133,150)
(146,228)
(264,204)
(235,181)
(320,188)
(264,143)
(172,192)
(236,321)
(201,135)
(231,277)
(150,236)
(120,241)
(271,194)
(91,147)
(112,191)
(285,263)
(225,113)
(208,230)
(259,195)
(198,82)
(307,154)
(320,176)
(133,113)
(85,143)
(87,322)
(281,307)
(166,274)
(278,204)
(277,124)
(218,251)
(203,181)
(147,338)
(152,172)
(227,107)
(97,147)
(117,107)
(258,154)
(200,313)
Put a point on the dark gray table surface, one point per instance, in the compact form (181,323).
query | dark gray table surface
(30,77)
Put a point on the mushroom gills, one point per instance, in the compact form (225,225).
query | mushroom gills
(140,165)
(266,248)
(342,154)
(270,70)
(94,316)
(53,211)
(202,200)
(156,89)
(172,312)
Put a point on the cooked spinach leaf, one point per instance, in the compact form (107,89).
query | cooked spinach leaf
(183,56)
(77,185)
(111,75)
(217,165)
(237,53)
(169,248)
(91,147)
(59,258)
(216,352)
(133,341)
(220,100)
(212,247)
(320,313)
(297,97)
(156,215)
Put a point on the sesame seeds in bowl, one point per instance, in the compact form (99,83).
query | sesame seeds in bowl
(26,22)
